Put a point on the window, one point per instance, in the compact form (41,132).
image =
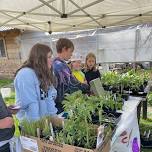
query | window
(2,48)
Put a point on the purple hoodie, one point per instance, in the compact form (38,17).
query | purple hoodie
(66,82)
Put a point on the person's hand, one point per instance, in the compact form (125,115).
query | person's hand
(6,122)
(13,109)
(85,82)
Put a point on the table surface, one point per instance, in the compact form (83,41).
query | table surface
(131,103)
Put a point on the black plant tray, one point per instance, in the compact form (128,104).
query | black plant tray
(137,94)
(112,117)
(146,143)
(110,112)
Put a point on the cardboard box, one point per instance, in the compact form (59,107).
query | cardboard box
(49,146)
(33,144)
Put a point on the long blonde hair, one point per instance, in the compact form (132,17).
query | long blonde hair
(90,55)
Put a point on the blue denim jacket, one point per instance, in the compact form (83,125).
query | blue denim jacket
(33,101)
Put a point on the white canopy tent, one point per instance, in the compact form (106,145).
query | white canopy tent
(69,15)
(122,44)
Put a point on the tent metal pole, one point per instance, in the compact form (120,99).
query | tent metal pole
(16,17)
(137,39)
(139,15)
(86,6)
(50,1)
(24,23)
(23,13)
(85,15)
(56,15)
(133,15)
(51,7)
(36,14)
(89,21)
(113,24)
(44,14)
(93,19)
(37,28)
(13,17)
(39,23)
(63,6)
(76,28)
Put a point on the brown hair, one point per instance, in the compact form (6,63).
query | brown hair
(63,42)
(38,62)
(90,55)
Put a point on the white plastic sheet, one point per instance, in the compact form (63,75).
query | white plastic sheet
(121,44)
(127,136)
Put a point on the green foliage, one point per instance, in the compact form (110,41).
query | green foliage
(149,98)
(110,78)
(30,127)
(77,132)
(145,74)
(78,128)
(10,100)
(4,82)
(46,130)
(145,125)
(130,79)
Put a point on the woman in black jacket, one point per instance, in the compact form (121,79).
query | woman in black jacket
(6,127)
(90,70)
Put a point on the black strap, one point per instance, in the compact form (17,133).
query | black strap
(5,148)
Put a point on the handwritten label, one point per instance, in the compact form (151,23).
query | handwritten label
(49,149)
(81,150)
(49,146)
(29,144)
(52,143)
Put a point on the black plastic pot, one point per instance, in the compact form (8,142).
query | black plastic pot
(145,83)
(141,88)
(146,143)
(125,96)
(134,92)
(106,87)
(126,88)
(114,89)
(110,112)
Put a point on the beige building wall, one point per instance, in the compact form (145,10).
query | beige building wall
(10,63)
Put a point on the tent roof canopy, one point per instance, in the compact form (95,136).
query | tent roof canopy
(69,15)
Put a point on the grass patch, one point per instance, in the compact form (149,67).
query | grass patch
(145,125)
(146,150)
(5,82)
